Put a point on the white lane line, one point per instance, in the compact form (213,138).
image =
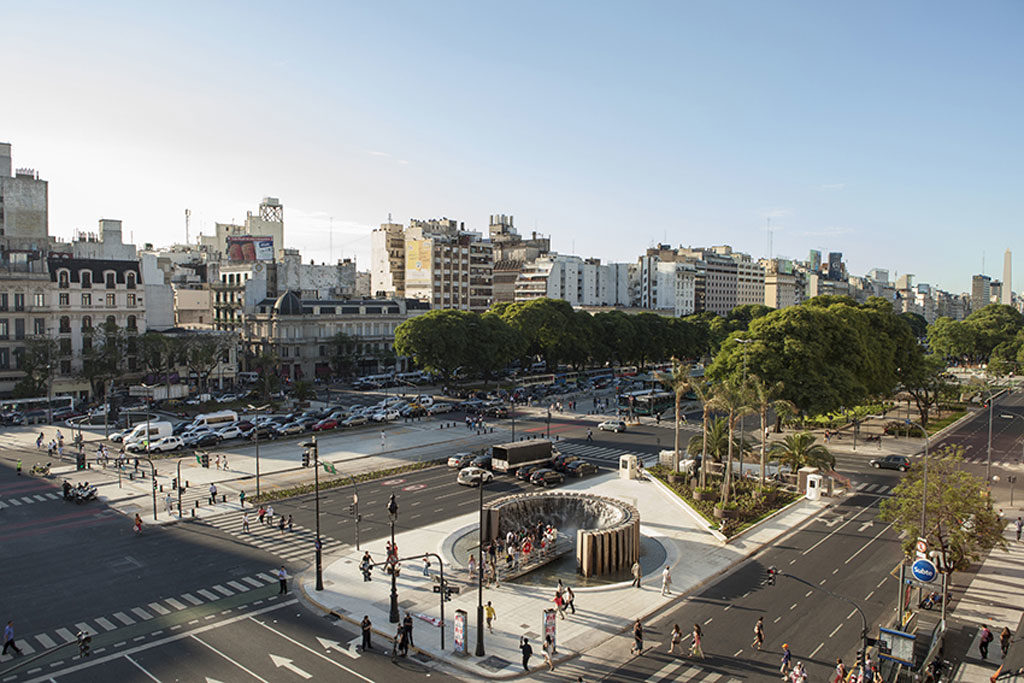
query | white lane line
(144,615)
(105,623)
(267,577)
(203,642)
(808,593)
(312,651)
(42,499)
(777,619)
(837,529)
(151,676)
(884,529)
(835,630)
(84,627)
(739,651)
(124,618)
(213,596)
(820,583)
(709,618)
(727,607)
(868,595)
(28,500)
(67,635)
(820,645)
(161,610)
(196,601)
(793,606)
(851,614)
(2,505)
(880,582)
(177,604)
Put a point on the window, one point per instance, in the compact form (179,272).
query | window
(130,281)
(5,330)
(3,301)
(87,324)
(133,364)
(63,279)
(86,277)
(64,299)
(87,299)
(65,366)
(111,321)
(39,300)
(131,323)
(65,324)
(111,300)
(38,326)
(5,359)
(65,347)
(19,328)
(110,280)
(131,301)
(86,344)
(19,301)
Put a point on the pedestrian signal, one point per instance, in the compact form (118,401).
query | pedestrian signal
(204,460)
(305,458)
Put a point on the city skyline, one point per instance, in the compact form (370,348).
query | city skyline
(670,135)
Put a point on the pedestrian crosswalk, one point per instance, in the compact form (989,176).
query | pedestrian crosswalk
(297,544)
(603,454)
(133,615)
(876,489)
(16,501)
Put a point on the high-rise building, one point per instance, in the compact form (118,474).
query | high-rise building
(783,285)
(447,266)
(981,292)
(836,269)
(814,261)
(387,260)
(1007,293)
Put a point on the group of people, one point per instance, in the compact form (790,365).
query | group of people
(56,445)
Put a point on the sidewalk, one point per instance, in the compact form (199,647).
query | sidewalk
(693,555)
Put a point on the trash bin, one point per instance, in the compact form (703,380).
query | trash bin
(628,467)
(814,482)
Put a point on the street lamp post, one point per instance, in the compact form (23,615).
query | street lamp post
(393,517)
(549,422)
(480,580)
(988,461)
(314,450)
(149,397)
(256,432)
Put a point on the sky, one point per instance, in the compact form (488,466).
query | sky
(889,131)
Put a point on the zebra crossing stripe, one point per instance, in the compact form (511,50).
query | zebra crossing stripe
(241,588)
(141,613)
(14,501)
(53,496)
(176,604)
(84,627)
(158,608)
(46,641)
(124,618)
(266,577)
(252,582)
(26,499)
(871,488)
(105,623)
(3,505)
(67,635)
(40,498)
(191,598)
(207,594)
(225,591)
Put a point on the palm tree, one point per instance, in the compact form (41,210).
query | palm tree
(766,398)
(731,397)
(799,450)
(703,392)
(679,382)
(713,443)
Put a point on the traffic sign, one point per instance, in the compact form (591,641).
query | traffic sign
(924,570)
(922,545)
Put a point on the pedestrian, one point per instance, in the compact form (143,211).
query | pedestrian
(590,435)
(169,502)
(696,649)
(402,641)
(840,672)
(1004,640)
(1020,525)
(986,638)
(39,441)
(280,524)
(559,605)
(365,567)
(241,498)
(560,588)
(245,520)
(666,581)
(18,466)
(799,675)
(787,657)
(638,639)
(407,625)
(549,648)
(383,439)
(213,494)
(217,461)
(524,647)
(758,633)
(289,523)
(9,639)
(365,625)
(282,578)
(570,599)
(636,573)
(676,636)
(472,567)
(270,515)
(224,461)
(261,515)
(489,615)
(426,567)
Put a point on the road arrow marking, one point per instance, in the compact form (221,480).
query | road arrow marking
(287,663)
(831,522)
(864,526)
(328,644)
(212,680)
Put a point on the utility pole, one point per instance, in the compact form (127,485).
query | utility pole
(314,451)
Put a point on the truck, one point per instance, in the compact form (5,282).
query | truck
(157,430)
(159,392)
(507,457)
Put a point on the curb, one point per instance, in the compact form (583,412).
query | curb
(705,524)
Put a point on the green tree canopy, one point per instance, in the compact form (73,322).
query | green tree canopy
(439,340)
(37,362)
(800,450)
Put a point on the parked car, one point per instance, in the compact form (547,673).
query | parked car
(580,468)
(267,430)
(292,428)
(612,426)
(167,443)
(483,461)
(500,412)
(425,401)
(460,460)
(324,425)
(439,408)
(118,436)
(202,440)
(560,462)
(229,432)
(386,415)
(473,476)
(892,462)
(524,473)
(354,420)
(547,477)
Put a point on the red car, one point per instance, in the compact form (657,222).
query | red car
(329,423)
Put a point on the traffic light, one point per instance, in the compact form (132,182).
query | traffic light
(204,460)
(80,461)
(772,572)
(305,458)
(84,644)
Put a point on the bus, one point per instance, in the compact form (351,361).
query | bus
(646,402)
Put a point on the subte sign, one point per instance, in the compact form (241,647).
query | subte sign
(924,570)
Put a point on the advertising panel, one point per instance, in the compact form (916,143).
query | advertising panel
(895,645)
(549,627)
(418,262)
(250,248)
(460,631)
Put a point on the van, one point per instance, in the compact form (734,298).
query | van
(157,430)
(248,377)
(221,418)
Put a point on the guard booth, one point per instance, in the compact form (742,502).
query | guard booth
(628,467)
(814,484)
(801,478)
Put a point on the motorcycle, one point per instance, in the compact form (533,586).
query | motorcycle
(84,493)
(934,599)
(40,470)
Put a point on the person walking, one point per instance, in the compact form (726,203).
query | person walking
(489,615)
(383,439)
(281,523)
(840,672)
(696,649)
(262,514)
(986,638)
(758,633)
(636,573)
(9,639)
(241,498)
(282,578)
(676,636)
(570,599)
(245,520)
(366,627)
(217,462)
(290,523)
(666,581)
(169,502)
(407,625)
(364,566)
(426,567)
(1020,525)
(590,435)
(787,657)
(17,466)
(401,642)
(39,441)
(1004,640)
(213,494)
(472,567)
(270,515)
(549,649)
(527,650)
(559,605)
(638,639)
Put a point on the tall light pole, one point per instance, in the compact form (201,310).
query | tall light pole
(149,398)
(393,517)
(480,580)
(988,461)
(314,451)
(549,422)
(256,432)
(924,491)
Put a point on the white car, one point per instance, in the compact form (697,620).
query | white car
(229,432)
(612,426)
(425,401)
(439,408)
(119,435)
(386,416)
(227,398)
(473,476)
(168,443)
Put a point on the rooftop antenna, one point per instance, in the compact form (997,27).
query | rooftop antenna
(769,237)
(983,263)
(188,215)
(332,239)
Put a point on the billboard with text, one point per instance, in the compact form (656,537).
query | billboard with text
(250,248)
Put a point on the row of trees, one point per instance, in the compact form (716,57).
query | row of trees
(995,335)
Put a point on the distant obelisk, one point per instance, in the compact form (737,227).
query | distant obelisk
(1007,294)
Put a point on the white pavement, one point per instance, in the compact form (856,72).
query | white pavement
(693,555)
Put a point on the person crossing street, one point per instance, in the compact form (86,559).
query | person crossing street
(9,639)
(758,633)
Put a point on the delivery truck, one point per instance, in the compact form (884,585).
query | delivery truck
(508,457)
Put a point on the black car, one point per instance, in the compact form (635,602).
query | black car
(500,412)
(561,461)
(546,477)
(524,473)
(483,461)
(265,431)
(580,468)
(208,439)
(892,462)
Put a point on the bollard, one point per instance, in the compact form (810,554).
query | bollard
(197,503)
(224,499)
(186,483)
(193,512)
(161,488)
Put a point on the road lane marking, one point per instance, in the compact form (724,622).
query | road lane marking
(191,598)
(105,623)
(837,529)
(221,589)
(808,594)
(727,608)
(777,619)
(252,582)
(124,618)
(176,604)
(822,582)
(884,529)
(240,587)
(793,606)
(312,651)
(84,627)
(139,667)
(67,635)
(708,621)
(207,594)
(141,613)
(737,653)
(835,630)
(869,595)
(203,642)
(46,641)
(820,645)
(881,582)
(851,614)
(666,671)
(158,608)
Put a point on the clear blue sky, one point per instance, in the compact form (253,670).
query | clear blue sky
(888,131)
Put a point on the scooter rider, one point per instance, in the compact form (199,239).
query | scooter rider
(67,489)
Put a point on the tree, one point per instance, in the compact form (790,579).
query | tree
(952,338)
(800,450)
(493,344)
(713,443)
(104,359)
(269,367)
(925,380)
(960,520)
(766,398)
(37,362)
(342,354)
(679,381)
(546,327)
(703,392)
(614,338)
(203,353)
(732,398)
(303,390)
(439,341)
(918,325)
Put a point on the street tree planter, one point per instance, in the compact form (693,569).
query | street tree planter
(720,513)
